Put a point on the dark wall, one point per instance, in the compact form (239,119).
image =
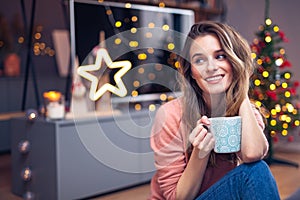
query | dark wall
(49,15)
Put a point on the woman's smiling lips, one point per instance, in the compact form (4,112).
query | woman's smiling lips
(213,79)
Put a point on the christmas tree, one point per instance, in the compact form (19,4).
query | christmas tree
(273,88)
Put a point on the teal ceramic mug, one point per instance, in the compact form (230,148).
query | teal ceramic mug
(227,132)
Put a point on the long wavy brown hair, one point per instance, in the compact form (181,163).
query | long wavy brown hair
(237,52)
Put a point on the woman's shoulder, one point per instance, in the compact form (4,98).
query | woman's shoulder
(176,103)
(166,129)
(169,113)
(172,108)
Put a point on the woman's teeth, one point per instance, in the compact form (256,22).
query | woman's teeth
(214,78)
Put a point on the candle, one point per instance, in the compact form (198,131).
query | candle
(52,95)
(55,108)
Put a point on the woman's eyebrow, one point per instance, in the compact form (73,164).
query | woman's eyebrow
(197,54)
(220,50)
(201,54)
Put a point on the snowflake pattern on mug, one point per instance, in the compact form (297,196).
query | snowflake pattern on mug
(227,132)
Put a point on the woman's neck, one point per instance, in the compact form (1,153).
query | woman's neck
(216,103)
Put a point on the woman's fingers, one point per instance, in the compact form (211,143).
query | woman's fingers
(206,145)
(194,133)
(197,135)
(201,138)
(204,120)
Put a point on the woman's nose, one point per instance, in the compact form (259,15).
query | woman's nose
(211,65)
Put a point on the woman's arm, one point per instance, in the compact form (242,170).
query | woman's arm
(203,142)
(189,183)
(254,144)
(178,177)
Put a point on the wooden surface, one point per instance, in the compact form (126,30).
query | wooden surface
(287,180)
(7,116)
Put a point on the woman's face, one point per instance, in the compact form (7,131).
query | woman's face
(209,65)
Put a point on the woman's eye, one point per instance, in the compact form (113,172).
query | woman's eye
(221,57)
(199,61)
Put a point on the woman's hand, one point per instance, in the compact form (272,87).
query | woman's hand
(201,138)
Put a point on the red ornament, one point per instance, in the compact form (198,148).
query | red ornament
(298,107)
(293,91)
(256,92)
(267,60)
(272,95)
(260,69)
(261,44)
(282,36)
(275,139)
(254,48)
(286,63)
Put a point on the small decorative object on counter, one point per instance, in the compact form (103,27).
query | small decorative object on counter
(12,65)
(55,105)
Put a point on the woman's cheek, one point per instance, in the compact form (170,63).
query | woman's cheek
(196,73)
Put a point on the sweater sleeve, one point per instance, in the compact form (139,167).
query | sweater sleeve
(169,148)
(259,117)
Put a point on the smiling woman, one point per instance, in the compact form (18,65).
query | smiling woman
(210,68)
(216,65)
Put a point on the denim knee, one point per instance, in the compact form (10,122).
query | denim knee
(258,169)
(259,178)
(251,181)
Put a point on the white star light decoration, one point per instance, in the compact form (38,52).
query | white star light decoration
(119,89)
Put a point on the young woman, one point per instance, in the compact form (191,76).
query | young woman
(216,65)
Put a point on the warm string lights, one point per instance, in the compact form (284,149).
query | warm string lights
(141,56)
(24,147)
(26,174)
(40,48)
(273,90)
(163,97)
(28,196)
(132,43)
(31,115)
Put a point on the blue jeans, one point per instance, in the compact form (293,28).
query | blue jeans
(253,181)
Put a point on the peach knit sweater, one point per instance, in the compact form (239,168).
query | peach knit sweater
(168,141)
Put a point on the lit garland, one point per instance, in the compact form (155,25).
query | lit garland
(134,42)
(273,90)
(40,48)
